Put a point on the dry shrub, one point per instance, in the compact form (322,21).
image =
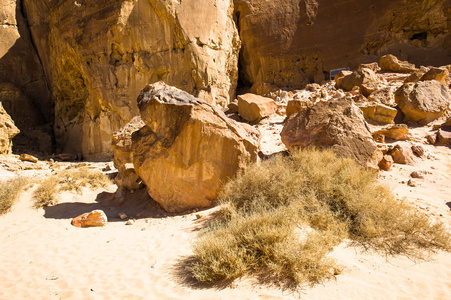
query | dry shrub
(283,216)
(68,180)
(9,192)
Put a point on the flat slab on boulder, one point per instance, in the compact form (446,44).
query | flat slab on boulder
(424,101)
(253,107)
(188,148)
(338,125)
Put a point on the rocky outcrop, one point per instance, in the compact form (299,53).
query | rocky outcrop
(338,125)
(188,148)
(100,54)
(423,102)
(289,43)
(253,108)
(7,131)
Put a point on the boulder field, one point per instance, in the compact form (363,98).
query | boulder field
(79,65)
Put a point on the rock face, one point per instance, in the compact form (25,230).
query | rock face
(253,108)
(94,218)
(338,125)
(423,102)
(188,148)
(289,43)
(98,55)
(7,131)
(122,142)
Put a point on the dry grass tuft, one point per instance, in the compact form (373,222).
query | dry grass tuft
(68,180)
(282,217)
(9,192)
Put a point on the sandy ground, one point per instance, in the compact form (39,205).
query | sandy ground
(44,257)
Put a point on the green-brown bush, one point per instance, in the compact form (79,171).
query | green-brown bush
(9,192)
(67,180)
(282,217)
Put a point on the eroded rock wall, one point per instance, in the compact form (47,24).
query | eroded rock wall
(100,54)
(289,43)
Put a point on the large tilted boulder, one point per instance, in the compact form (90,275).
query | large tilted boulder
(393,64)
(338,125)
(424,101)
(188,148)
(253,107)
(7,131)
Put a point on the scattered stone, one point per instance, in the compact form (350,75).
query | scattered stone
(365,79)
(402,153)
(439,74)
(188,148)
(444,136)
(123,216)
(68,156)
(411,183)
(338,125)
(423,102)
(28,157)
(378,112)
(397,132)
(417,174)
(130,222)
(385,96)
(198,216)
(415,76)
(393,64)
(94,218)
(379,138)
(418,150)
(374,66)
(386,163)
(296,105)
(253,107)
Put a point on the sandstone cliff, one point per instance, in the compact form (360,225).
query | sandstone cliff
(98,55)
(289,43)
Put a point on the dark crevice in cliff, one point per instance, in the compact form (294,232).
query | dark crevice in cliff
(243,85)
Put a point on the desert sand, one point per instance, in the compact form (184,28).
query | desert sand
(45,257)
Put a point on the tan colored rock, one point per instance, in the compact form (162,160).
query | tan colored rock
(439,74)
(253,108)
(68,157)
(372,66)
(233,107)
(28,157)
(393,64)
(338,125)
(8,130)
(378,112)
(415,76)
(127,178)
(402,153)
(386,163)
(122,142)
(296,105)
(397,132)
(424,101)
(444,136)
(95,218)
(365,79)
(385,96)
(188,148)
(100,54)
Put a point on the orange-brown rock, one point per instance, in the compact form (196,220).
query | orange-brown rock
(127,178)
(386,163)
(94,218)
(188,148)
(415,76)
(338,125)
(253,108)
(8,130)
(444,136)
(385,96)
(439,74)
(296,105)
(378,112)
(424,101)
(402,153)
(393,64)
(397,132)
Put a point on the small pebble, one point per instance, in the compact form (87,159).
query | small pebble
(123,216)
(130,222)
